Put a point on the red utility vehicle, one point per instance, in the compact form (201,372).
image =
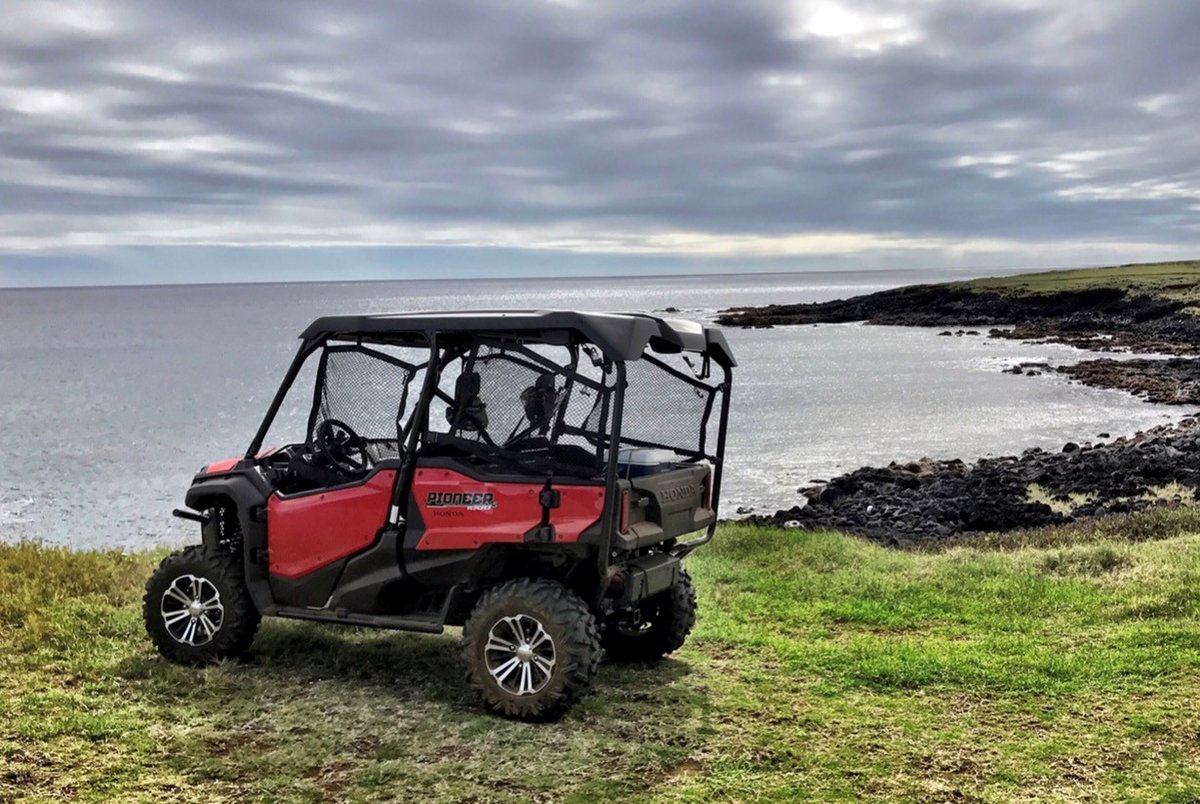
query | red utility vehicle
(529,475)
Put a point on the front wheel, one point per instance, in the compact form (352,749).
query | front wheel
(197,608)
(660,625)
(532,649)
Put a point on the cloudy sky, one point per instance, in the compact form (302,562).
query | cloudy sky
(146,140)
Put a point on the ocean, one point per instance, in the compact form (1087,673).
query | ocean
(112,398)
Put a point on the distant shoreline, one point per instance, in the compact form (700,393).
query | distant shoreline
(1153,308)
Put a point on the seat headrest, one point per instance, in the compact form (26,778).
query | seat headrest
(466,386)
(540,400)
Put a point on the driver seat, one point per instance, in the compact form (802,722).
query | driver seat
(468,412)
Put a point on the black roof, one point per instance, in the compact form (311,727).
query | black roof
(621,336)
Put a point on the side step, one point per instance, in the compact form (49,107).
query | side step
(424,625)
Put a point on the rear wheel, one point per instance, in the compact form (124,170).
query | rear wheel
(532,649)
(660,625)
(197,609)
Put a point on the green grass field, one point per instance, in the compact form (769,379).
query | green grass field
(1173,280)
(1058,665)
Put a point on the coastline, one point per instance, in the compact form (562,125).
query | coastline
(922,501)
(1148,309)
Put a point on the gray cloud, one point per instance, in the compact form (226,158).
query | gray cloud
(679,127)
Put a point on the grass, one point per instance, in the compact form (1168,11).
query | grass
(1061,664)
(1036,493)
(1173,492)
(1173,280)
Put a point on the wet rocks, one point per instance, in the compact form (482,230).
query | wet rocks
(1175,381)
(1028,369)
(1172,381)
(928,500)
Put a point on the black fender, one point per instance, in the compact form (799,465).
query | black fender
(247,491)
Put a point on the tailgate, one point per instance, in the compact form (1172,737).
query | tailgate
(668,505)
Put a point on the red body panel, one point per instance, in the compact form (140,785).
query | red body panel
(461,513)
(306,533)
(581,507)
(217,467)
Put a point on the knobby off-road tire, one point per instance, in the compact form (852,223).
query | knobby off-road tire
(532,649)
(197,608)
(667,619)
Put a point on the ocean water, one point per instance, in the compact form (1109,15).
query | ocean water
(112,398)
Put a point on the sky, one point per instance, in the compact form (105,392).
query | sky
(170,141)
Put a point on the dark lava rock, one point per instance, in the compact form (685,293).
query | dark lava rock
(928,500)
(1175,381)
(1028,369)
(1104,318)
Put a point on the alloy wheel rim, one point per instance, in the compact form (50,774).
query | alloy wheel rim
(192,611)
(519,654)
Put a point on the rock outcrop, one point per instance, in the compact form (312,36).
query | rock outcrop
(1104,319)
(928,500)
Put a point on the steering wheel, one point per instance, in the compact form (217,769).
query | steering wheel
(344,448)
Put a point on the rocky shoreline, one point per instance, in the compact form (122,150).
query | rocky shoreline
(1171,381)
(930,500)
(1101,319)
(927,500)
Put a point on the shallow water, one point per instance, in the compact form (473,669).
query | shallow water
(112,398)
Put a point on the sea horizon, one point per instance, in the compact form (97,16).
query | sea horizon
(121,393)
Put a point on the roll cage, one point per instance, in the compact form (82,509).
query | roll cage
(650,382)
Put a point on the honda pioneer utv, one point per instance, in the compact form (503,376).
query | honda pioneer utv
(529,475)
